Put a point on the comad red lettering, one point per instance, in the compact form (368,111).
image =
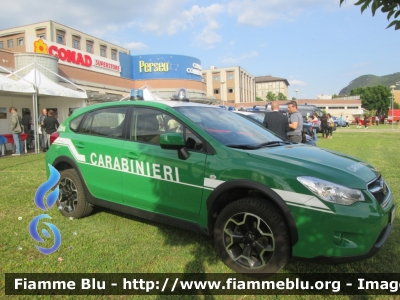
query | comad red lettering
(71,56)
(53,50)
(62,54)
(88,61)
(79,59)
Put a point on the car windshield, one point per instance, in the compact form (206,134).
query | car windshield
(230,129)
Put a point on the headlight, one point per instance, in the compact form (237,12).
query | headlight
(331,192)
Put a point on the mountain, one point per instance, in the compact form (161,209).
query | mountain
(371,80)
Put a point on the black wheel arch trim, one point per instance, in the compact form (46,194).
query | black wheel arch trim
(65,159)
(212,202)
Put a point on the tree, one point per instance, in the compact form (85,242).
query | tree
(391,7)
(281,96)
(271,96)
(294,98)
(259,99)
(374,98)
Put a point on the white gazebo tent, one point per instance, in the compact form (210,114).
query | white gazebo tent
(52,94)
(13,93)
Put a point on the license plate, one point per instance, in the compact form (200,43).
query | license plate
(392,215)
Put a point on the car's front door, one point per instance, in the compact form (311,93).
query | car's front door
(155,179)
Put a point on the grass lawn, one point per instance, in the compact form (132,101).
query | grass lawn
(108,242)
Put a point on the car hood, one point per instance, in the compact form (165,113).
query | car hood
(305,160)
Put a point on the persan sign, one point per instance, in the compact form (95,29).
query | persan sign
(76,58)
(166,66)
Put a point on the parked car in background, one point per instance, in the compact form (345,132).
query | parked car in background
(339,122)
(231,108)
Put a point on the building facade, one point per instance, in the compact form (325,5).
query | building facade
(106,71)
(230,85)
(275,85)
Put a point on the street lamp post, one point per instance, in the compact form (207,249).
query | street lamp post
(222,92)
(296,93)
(392,87)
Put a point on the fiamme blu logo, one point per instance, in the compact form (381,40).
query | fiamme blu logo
(50,201)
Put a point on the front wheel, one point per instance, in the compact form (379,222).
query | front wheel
(72,199)
(251,236)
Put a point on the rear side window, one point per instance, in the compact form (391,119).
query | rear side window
(107,122)
(74,124)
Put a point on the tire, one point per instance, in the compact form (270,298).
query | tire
(72,199)
(260,250)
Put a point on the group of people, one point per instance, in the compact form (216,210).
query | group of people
(47,125)
(327,124)
(286,127)
(291,127)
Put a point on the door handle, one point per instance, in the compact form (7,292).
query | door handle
(80,145)
(131,155)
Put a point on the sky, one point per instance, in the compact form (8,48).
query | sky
(317,45)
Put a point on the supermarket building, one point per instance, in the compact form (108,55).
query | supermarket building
(107,72)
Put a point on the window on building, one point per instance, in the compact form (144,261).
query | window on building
(230,90)
(1,45)
(230,77)
(352,107)
(216,78)
(103,51)
(113,55)
(216,91)
(89,47)
(60,39)
(75,43)
(20,41)
(41,36)
(336,107)
(10,43)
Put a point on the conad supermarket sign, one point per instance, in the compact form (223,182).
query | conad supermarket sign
(77,58)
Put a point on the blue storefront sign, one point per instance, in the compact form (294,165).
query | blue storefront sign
(160,66)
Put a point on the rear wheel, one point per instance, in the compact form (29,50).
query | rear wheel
(72,199)
(251,236)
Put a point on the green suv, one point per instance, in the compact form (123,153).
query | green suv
(203,168)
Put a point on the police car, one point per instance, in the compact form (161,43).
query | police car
(203,168)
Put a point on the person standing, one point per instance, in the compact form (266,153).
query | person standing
(27,122)
(50,125)
(331,124)
(347,121)
(315,125)
(376,120)
(42,132)
(16,129)
(324,126)
(365,122)
(276,121)
(295,123)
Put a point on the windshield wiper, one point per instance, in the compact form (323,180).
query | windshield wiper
(273,144)
(253,147)
(238,146)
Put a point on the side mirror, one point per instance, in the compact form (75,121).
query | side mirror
(174,141)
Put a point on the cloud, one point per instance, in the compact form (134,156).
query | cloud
(135,46)
(106,18)
(229,61)
(296,82)
(260,13)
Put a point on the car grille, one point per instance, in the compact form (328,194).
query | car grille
(379,189)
